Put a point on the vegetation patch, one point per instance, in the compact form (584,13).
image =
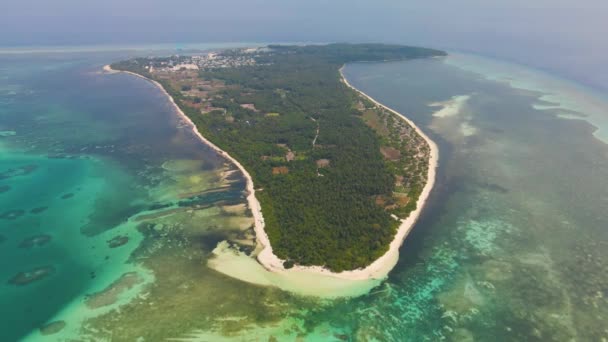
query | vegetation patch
(323,163)
(280,170)
(390,153)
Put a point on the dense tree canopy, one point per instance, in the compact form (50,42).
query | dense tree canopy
(314,215)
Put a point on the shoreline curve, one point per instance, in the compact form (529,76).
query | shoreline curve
(378,269)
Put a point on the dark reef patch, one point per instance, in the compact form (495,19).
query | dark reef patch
(110,294)
(38,210)
(4,188)
(20,171)
(27,277)
(117,241)
(35,241)
(108,215)
(209,198)
(495,188)
(209,240)
(52,328)
(66,196)
(12,214)
(157,206)
(59,155)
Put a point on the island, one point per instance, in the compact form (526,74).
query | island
(335,180)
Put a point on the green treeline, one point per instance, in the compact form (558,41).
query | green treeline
(314,215)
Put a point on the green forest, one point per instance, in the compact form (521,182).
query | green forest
(317,191)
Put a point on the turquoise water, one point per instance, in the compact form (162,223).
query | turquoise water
(516,233)
(511,246)
(82,155)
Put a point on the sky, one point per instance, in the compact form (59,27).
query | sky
(568,37)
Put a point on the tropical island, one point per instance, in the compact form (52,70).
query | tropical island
(335,179)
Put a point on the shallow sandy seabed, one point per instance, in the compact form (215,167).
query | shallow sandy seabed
(453,113)
(451,107)
(233,263)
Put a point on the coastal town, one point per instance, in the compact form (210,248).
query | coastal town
(206,61)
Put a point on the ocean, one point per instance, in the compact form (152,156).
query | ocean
(110,210)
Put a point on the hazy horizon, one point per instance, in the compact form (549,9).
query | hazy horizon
(558,36)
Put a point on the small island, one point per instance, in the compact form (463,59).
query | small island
(335,180)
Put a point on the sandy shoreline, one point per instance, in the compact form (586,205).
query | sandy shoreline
(380,268)
(266,257)
(383,265)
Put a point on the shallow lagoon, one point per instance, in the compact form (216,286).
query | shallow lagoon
(511,245)
(83,159)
